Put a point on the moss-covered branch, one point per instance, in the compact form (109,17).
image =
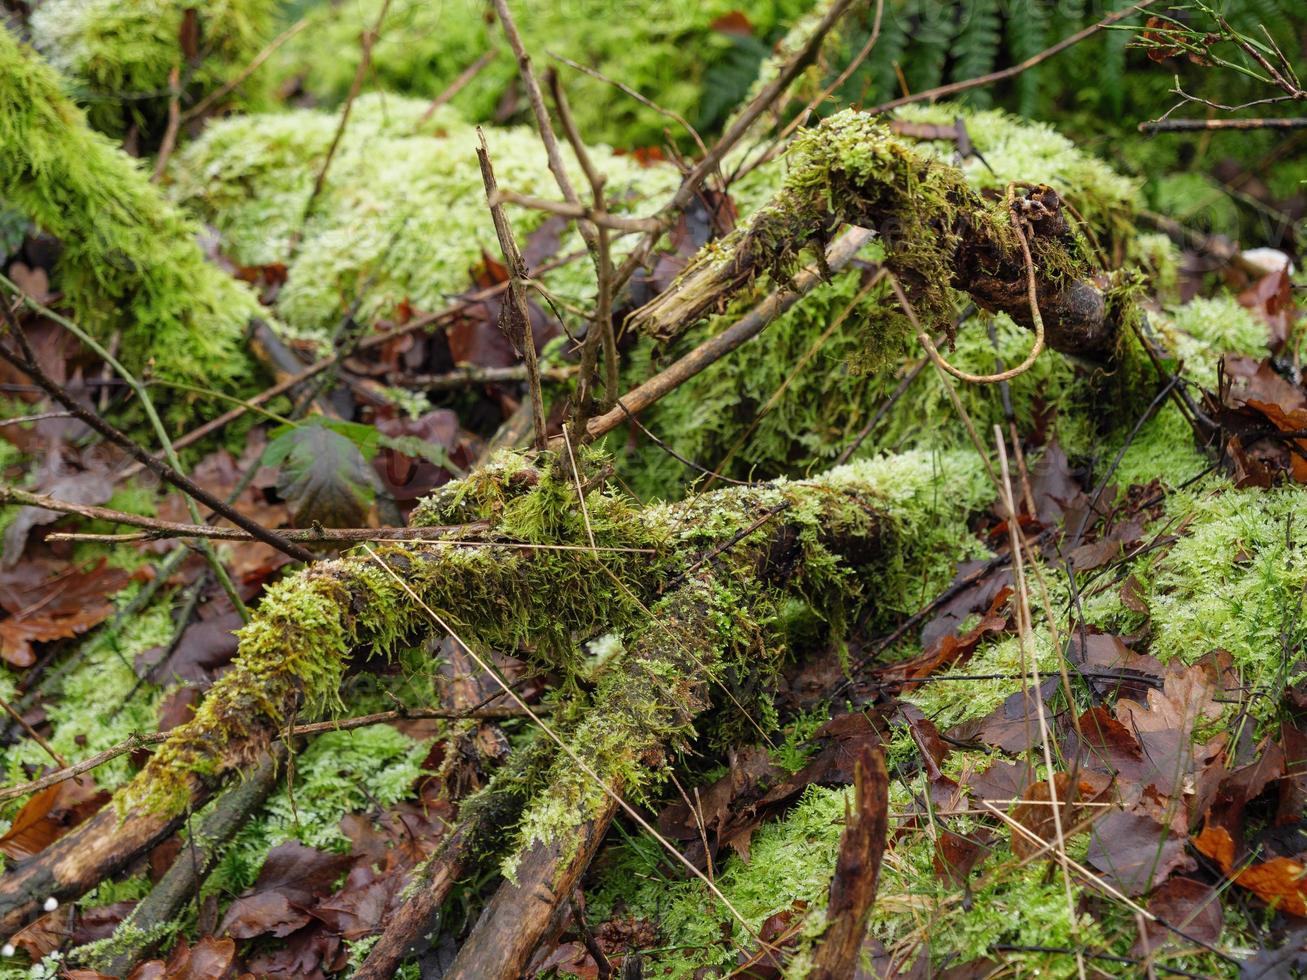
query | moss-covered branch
(938,234)
(130,261)
(828,546)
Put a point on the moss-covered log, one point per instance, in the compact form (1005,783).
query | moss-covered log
(938,234)
(130,261)
(828,546)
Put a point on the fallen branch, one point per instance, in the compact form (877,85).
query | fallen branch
(938,234)
(294,653)
(840,254)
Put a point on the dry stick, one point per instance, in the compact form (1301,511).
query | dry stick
(793,375)
(155,466)
(838,255)
(515,316)
(368,39)
(953,88)
(169,142)
(596,215)
(1193,125)
(205,104)
(1030,656)
(735,132)
(601,325)
(644,100)
(471,374)
(457,85)
(32,733)
(145,739)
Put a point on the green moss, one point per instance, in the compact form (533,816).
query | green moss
(666,50)
(402,218)
(1026,150)
(91,710)
(119,55)
(130,262)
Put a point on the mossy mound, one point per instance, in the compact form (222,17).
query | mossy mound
(403,215)
(669,51)
(118,55)
(130,259)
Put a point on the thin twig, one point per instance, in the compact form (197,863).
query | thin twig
(594,215)
(515,315)
(28,364)
(216,96)
(600,332)
(169,141)
(953,88)
(368,39)
(464,78)
(1195,125)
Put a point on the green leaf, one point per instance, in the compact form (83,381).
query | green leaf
(323,471)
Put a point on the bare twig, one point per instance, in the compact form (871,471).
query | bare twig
(595,215)
(840,253)
(515,316)
(601,327)
(552,149)
(464,79)
(368,39)
(1194,125)
(169,141)
(953,88)
(239,79)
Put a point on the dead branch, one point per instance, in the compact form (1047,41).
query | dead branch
(464,79)
(840,253)
(1199,125)
(368,39)
(514,316)
(192,864)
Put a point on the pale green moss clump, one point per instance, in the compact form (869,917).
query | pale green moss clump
(403,216)
(666,50)
(119,54)
(130,261)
